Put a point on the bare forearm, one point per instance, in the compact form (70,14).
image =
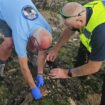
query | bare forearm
(26,72)
(41,61)
(86,69)
(28,77)
(67,33)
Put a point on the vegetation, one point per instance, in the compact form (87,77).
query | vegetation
(82,91)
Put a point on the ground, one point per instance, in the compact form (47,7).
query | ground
(77,91)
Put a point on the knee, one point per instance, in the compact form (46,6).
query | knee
(8,43)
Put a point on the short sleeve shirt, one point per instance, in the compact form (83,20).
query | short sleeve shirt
(97,41)
(23,18)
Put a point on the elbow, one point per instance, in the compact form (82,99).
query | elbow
(95,69)
(94,66)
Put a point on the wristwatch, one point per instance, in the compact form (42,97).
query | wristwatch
(69,73)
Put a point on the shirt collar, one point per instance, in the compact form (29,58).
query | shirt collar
(88,14)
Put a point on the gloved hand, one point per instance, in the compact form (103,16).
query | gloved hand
(39,80)
(36,93)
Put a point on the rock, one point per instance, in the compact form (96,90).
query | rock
(71,101)
(94,99)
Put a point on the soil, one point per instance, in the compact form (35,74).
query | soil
(74,91)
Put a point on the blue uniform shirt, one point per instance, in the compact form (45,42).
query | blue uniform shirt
(16,14)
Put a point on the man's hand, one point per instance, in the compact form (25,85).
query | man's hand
(58,73)
(36,93)
(39,80)
(52,55)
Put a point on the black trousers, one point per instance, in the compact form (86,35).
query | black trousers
(103,93)
(82,57)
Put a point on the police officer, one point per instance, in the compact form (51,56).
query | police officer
(90,21)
